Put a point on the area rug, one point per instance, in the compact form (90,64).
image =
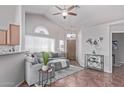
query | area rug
(65,72)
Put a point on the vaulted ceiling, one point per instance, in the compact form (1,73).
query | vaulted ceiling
(88,15)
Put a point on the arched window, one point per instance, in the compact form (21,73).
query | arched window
(41,30)
(39,43)
(71,36)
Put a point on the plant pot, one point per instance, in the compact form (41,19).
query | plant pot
(45,67)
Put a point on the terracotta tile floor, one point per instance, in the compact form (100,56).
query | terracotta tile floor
(91,78)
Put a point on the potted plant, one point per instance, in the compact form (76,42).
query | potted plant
(45,60)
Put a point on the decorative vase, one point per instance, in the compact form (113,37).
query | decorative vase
(45,67)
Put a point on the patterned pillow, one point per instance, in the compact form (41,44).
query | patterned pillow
(31,59)
(54,55)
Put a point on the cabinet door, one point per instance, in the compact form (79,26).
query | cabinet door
(3,37)
(14,35)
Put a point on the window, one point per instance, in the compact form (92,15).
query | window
(61,45)
(71,36)
(41,30)
(39,44)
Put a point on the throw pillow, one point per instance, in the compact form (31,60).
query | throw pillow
(30,59)
(55,55)
(61,55)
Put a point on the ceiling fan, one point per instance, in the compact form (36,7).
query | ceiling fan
(66,11)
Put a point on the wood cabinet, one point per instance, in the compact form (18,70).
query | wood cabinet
(3,37)
(13,35)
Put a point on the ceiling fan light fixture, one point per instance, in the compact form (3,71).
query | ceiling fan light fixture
(64,13)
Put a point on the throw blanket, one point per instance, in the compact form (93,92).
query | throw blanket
(63,62)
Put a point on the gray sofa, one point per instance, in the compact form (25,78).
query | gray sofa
(32,72)
(34,62)
(57,59)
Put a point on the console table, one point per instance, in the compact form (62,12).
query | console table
(94,61)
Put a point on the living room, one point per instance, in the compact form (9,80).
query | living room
(79,52)
(37,34)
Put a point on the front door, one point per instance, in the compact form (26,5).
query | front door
(71,49)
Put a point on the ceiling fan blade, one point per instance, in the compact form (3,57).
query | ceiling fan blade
(71,7)
(77,6)
(56,13)
(71,13)
(58,8)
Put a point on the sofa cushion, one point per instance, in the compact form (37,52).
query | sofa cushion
(38,56)
(50,55)
(54,55)
(40,60)
(61,54)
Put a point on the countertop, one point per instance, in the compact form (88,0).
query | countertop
(12,53)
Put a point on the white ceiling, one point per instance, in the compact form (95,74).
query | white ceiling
(88,15)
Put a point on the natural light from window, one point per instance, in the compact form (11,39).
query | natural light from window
(61,45)
(39,44)
(71,36)
(41,30)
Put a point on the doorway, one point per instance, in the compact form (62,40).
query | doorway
(117,46)
(71,50)
(117,50)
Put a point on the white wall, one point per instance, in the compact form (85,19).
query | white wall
(94,33)
(117,28)
(7,15)
(119,53)
(79,48)
(11,66)
(11,69)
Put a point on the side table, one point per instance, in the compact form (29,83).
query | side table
(46,76)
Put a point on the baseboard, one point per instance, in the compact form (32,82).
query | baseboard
(120,62)
(19,83)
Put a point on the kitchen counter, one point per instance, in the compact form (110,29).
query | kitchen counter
(11,53)
(12,68)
